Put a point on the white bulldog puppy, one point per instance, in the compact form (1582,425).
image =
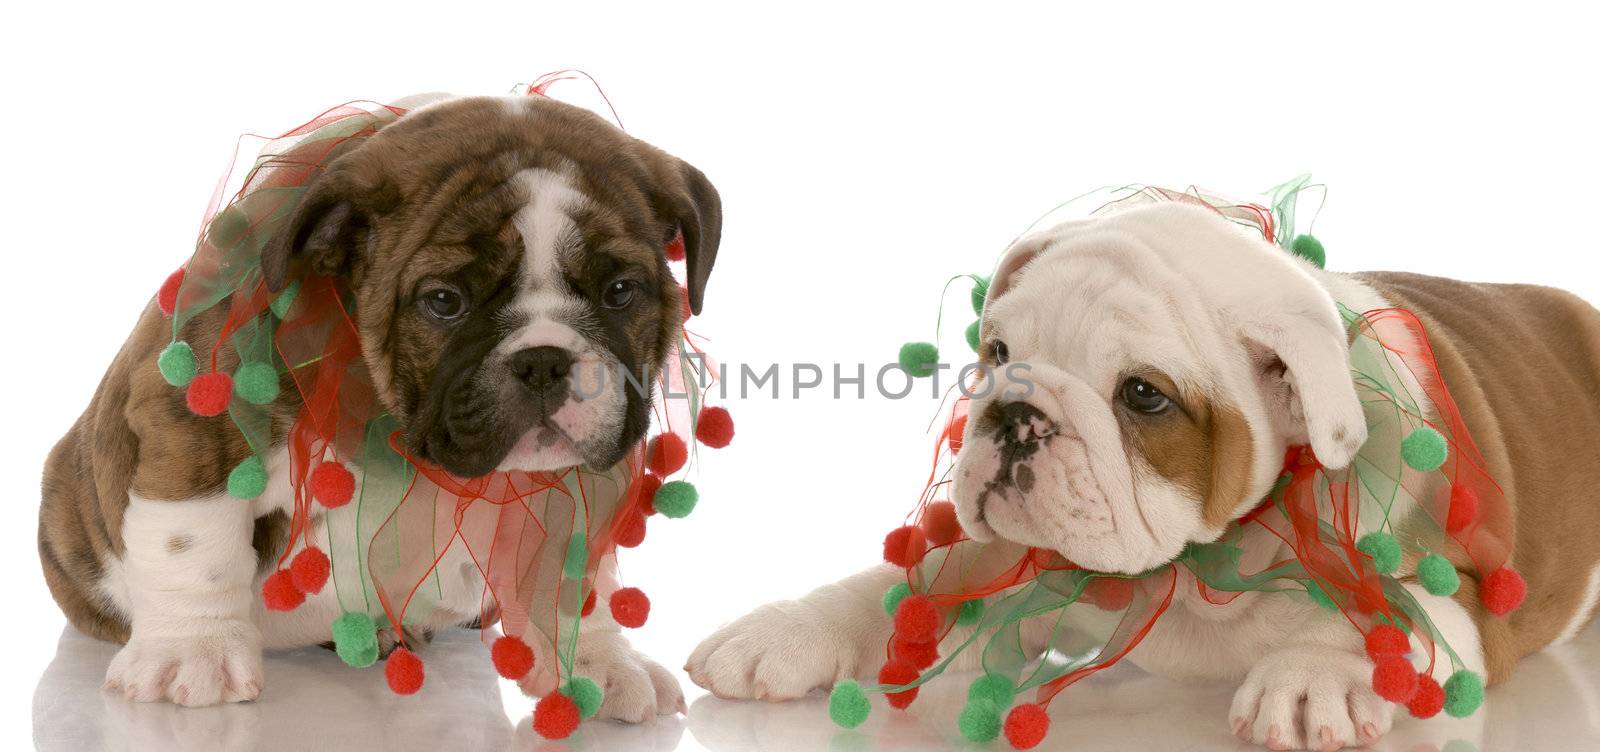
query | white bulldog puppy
(1173,356)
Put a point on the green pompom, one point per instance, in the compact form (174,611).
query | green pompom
(973,334)
(979,721)
(971,613)
(585,694)
(1310,249)
(848,705)
(1424,449)
(676,499)
(577,557)
(177,363)
(1319,596)
(355,639)
(1463,694)
(1438,575)
(892,597)
(1384,550)
(256,383)
(280,305)
(248,479)
(996,689)
(919,358)
(980,291)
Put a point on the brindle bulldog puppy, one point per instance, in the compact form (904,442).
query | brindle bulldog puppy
(495,248)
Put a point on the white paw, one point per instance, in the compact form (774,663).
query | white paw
(780,651)
(224,666)
(636,687)
(1310,698)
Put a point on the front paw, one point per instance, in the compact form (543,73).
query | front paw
(636,688)
(780,651)
(193,670)
(1310,698)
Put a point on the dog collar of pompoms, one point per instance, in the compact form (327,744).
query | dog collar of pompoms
(536,538)
(1319,513)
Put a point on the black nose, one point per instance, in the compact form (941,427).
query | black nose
(1017,422)
(541,368)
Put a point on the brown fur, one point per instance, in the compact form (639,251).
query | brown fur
(1523,364)
(407,203)
(1202,446)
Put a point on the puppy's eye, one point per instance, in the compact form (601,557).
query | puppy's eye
(1142,396)
(619,293)
(443,303)
(999,352)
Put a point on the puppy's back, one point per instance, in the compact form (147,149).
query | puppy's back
(1523,363)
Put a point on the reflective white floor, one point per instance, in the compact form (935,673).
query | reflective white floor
(312,701)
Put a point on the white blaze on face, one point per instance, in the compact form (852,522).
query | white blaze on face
(547,309)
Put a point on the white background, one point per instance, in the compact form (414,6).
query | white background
(864,152)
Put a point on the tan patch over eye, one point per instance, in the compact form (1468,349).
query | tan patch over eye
(1201,446)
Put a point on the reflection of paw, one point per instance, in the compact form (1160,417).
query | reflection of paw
(780,651)
(232,727)
(1310,698)
(636,687)
(224,666)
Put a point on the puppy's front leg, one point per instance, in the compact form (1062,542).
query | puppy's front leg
(188,567)
(785,649)
(1314,691)
(636,687)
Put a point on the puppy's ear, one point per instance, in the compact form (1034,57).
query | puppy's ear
(1306,351)
(686,198)
(327,227)
(1019,255)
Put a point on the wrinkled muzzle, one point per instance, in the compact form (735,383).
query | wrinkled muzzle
(1050,469)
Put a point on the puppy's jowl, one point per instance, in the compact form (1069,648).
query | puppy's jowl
(1175,358)
(481,254)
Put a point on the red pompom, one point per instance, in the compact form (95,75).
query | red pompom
(1463,509)
(555,716)
(1387,640)
(630,531)
(917,619)
(630,607)
(896,672)
(1503,591)
(714,428)
(939,523)
(588,605)
(904,546)
(919,654)
(958,430)
(167,298)
(403,669)
(675,249)
(1110,593)
(209,394)
(1429,698)
(512,657)
(333,484)
(1026,725)
(648,486)
(309,570)
(279,592)
(1394,679)
(666,454)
